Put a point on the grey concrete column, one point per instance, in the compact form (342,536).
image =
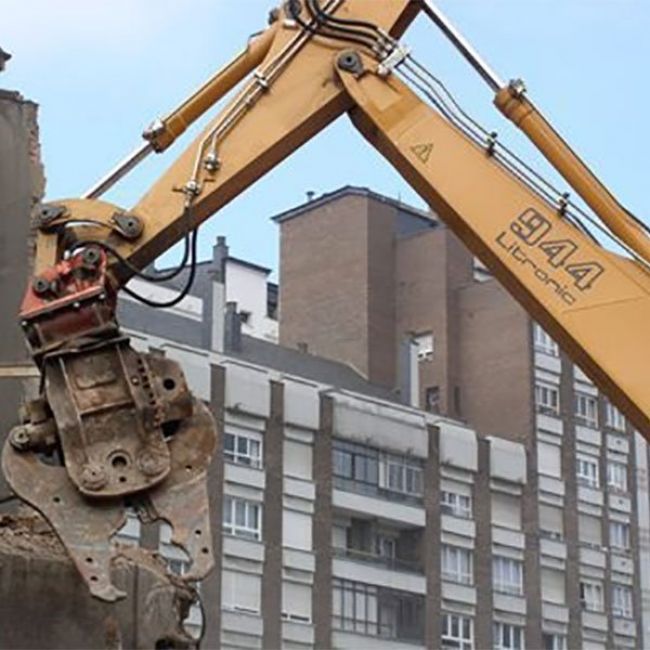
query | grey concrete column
(323,515)
(432,536)
(532,570)
(272,521)
(607,582)
(211,586)
(483,553)
(572,572)
(635,542)
(530,517)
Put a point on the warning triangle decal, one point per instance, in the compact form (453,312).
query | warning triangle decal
(423,151)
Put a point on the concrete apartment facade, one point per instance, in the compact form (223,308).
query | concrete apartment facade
(350,520)
(365,521)
(395,273)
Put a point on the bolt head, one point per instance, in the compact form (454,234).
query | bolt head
(212,162)
(91,257)
(19,439)
(40,286)
(151,464)
(93,477)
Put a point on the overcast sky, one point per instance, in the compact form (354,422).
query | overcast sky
(101,70)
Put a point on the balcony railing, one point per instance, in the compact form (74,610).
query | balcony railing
(374,490)
(395,564)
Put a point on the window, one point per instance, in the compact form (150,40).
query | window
(553,641)
(296,601)
(385,546)
(587,410)
(619,535)
(590,530)
(130,532)
(368,471)
(242,518)
(587,471)
(591,595)
(400,475)
(553,585)
(549,461)
(613,417)
(507,575)
(547,398)
(508,637)
(458,505)
(296,529)
(456,564)
(622,601)
(457,632)
(543,342)
(175,557)
(241,591)
(617,475)
(242,449)
(356,465)
(506,510)
(551,521)
(342,463)
(298,459)
(425,345)
(432,399)
(376,611)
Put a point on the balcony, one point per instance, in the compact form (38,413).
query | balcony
(374,490)
(376,473)
(392,563)
(401,515)
(374,611)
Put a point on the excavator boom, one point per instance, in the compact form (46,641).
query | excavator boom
(124,424)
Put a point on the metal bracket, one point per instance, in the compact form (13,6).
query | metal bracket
(49,214)
(397,56)
(127,225)
(517,88)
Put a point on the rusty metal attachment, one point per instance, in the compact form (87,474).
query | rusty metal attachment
(86,526)
(112,429)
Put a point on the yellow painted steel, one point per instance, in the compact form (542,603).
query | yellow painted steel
(304,99)
(211,92)
(594,303)
(517,108)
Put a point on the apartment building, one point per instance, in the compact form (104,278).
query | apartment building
(350,519)
(362,273)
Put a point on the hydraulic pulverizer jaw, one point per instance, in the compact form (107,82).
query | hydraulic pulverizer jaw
(112,428)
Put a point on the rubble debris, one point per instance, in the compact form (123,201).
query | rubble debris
(27,533)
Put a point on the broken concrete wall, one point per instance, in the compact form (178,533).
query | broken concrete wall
(22,184)
(45,604)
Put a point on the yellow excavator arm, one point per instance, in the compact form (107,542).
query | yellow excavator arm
(317,60)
